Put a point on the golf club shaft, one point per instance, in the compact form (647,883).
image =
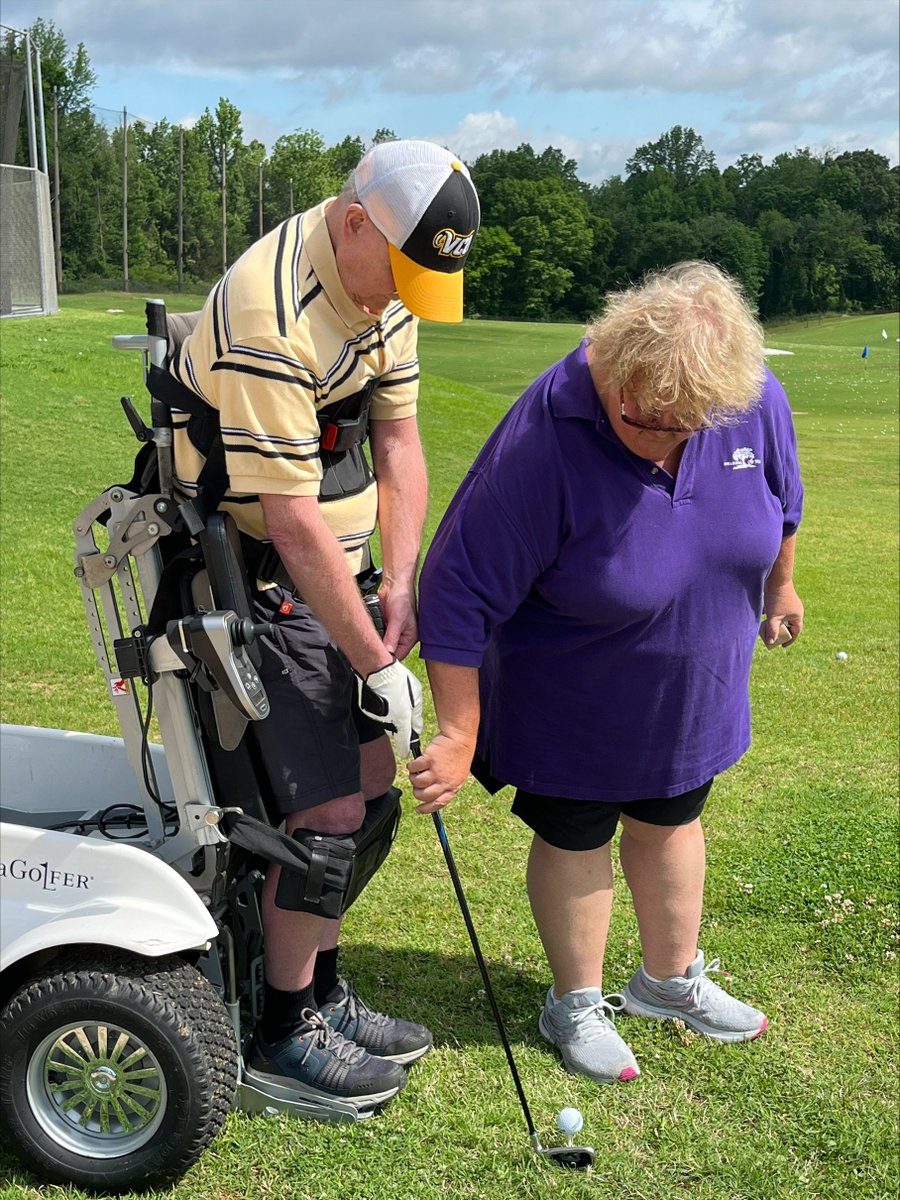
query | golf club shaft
(473,938)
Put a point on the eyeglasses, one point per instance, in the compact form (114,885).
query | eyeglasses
(655,428)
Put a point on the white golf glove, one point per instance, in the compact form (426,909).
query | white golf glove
(393,697)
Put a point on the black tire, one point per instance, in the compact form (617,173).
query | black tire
(135,1119)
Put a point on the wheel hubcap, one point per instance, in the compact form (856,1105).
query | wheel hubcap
(96,1089)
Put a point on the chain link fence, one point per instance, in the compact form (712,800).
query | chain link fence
(27,274)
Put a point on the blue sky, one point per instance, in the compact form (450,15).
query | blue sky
(595,78)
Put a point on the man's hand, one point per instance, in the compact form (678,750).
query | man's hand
(393,697)
(440,771)
(399,467)
(401,623)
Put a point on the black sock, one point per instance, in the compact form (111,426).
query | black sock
(282,1011)
(325,975)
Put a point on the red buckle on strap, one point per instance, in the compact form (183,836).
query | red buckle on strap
(329,436)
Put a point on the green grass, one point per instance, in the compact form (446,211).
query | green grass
(802,885)
(495,356)
(838,330)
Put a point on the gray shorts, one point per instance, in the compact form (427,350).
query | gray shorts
(310,740)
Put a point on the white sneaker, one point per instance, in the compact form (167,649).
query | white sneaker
(696,1000)
(581,1025)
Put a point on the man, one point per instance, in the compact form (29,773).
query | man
(305,345)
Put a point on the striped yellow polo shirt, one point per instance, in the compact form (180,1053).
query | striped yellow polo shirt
(279,339)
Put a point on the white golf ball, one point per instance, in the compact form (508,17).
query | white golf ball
(569,1121)
(841,656)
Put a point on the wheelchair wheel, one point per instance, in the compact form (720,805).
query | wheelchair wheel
(115,1071)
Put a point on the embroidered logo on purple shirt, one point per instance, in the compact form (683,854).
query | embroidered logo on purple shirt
(742,459)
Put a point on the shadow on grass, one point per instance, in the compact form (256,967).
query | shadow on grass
(445,992)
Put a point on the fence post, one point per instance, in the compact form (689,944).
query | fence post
(29,104)
(224,223)
(125,196)
(180,207)
(57,220)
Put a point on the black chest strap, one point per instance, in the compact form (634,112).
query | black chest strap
(205,431)
(343,428)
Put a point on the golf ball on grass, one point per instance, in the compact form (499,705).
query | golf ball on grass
(569,1121)
(841,656)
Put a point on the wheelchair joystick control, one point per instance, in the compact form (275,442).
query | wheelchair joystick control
(217,640)
(244,632)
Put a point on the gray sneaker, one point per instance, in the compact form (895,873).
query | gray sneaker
(379,1035)
(581,1025)
(696,1000)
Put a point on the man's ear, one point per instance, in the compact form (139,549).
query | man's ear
(354,218)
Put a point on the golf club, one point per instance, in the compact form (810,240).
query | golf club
(577,1158)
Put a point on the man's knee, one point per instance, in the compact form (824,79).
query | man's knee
(331,871)
(378,767)
(343,814)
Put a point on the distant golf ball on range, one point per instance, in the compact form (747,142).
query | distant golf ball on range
(569,1121)
(841,656)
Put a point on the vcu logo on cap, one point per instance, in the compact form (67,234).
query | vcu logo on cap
(450,244)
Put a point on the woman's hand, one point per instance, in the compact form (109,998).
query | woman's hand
(783,607)
(781,603)
(440,771)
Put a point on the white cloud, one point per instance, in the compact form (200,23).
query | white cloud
(261,128)
(597,159)
(481,132)
(428,68)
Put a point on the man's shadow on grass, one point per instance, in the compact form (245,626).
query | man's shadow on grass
(445,992)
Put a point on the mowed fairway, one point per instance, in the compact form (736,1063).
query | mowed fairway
(802,884)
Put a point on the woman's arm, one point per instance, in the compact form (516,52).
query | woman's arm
(443,766)
(781,603)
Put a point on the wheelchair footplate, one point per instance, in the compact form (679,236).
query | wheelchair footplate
(262,1097)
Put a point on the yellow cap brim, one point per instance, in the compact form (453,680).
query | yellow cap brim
(432,295)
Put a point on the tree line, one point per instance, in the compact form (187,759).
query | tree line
(803,233)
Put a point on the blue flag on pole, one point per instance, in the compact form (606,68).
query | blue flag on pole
(865,353)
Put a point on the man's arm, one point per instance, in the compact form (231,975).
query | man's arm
(781,602)
(443,767)
(402,498)
(318,567)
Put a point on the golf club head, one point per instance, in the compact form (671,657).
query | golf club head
(570,1158)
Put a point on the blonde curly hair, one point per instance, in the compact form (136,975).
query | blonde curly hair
(685,343)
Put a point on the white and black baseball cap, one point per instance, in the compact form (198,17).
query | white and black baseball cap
(421,197)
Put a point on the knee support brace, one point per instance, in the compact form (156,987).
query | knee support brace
(330,869)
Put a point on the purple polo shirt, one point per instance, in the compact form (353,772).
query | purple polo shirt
(611,609)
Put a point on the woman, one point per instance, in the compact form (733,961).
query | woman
(589,608)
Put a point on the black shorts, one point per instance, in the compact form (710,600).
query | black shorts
(311,738)
(589,824)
